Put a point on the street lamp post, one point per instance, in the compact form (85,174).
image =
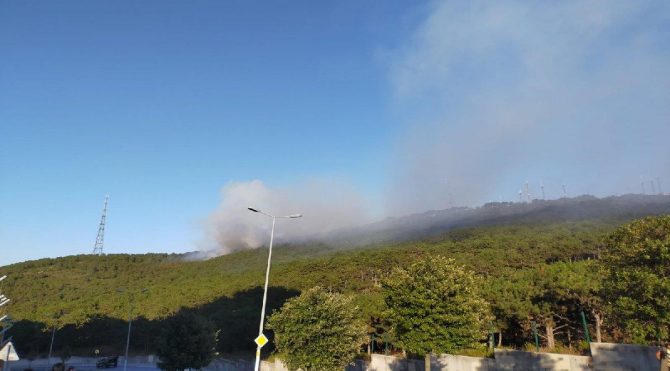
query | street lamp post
(130,323)
(51,345)
(55,323)
(260,340)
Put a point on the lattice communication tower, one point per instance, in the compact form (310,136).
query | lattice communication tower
(100,239)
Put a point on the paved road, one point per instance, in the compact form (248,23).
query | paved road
(88,367)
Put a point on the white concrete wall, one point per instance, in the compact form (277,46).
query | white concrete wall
(277,365)
(615,357)
(448,362)
(606,356)
(379,362)
(519,360)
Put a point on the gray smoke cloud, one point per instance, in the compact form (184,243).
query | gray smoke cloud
(326,205)
(496,93)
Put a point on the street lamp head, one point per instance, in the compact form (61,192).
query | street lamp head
(292,216)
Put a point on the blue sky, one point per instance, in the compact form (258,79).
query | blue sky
(160,103)
(173,108)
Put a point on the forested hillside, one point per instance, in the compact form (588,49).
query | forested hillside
(530,270)
(417,226)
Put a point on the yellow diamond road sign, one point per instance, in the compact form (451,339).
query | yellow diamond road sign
(261,340)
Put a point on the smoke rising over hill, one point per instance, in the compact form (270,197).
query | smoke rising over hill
(326,205)
(498,93)
(492,95)
(252,230)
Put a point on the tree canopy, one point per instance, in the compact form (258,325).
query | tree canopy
(435,307)
(187,341)
(637,283)
(318,330)
(521,269)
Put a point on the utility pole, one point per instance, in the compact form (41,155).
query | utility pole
(100,239)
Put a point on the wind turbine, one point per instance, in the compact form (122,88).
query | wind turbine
(658,181)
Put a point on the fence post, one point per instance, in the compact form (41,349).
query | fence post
(586,328)
(492,337)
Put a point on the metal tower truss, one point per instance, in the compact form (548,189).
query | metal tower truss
(100,239)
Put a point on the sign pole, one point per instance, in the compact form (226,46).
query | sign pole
(9,350)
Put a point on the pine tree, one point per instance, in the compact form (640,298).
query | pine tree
(637,283)
(435,307)
(187,341)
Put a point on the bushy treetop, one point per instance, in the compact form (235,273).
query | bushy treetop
(318,330)
(435,306)
(637,282)
(187,341)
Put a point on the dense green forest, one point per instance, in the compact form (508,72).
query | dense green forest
(540,273)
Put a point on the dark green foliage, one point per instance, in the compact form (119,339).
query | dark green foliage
(552,295)
(318,330)
(66,353)
(187,341)
(637,263)
(78,294)
(511,299)
(435,307)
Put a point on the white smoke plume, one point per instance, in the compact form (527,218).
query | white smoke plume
(325,204)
